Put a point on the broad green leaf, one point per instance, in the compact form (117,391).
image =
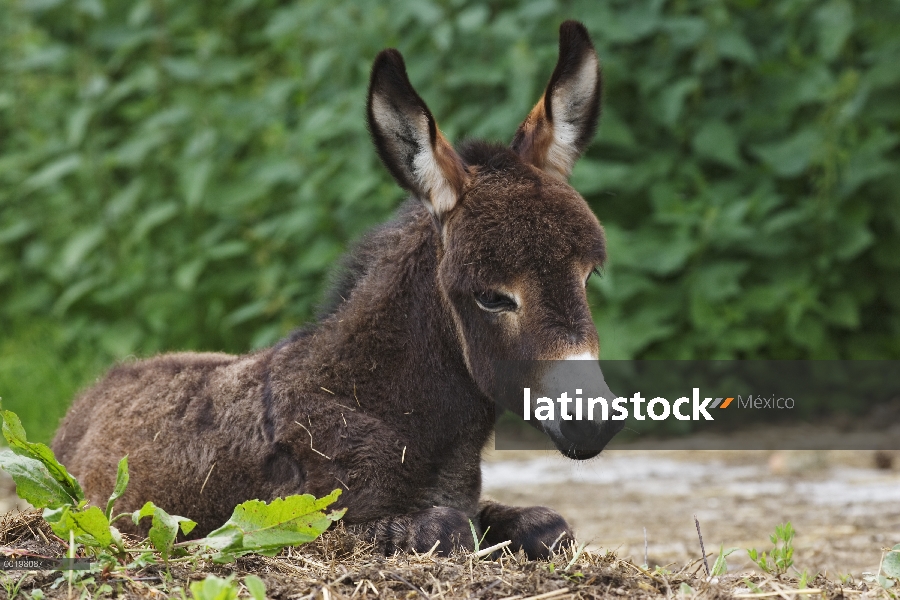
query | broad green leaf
(187,274)
(74,293)
(74,253)
(47,482)
(163,532)
(793,155)
(256,587)
(78,122)
(117,538)
(719,281)
(593,176)
(145,511)
(716,141)
(194,178)
(154,218)
(685,31)
(54,172)
(472,18)
(34,483)
(215,588)
(164,528)
(671,100)
(632,23)
(891,563)
(90,525)
(835,20)
(16,231)
(616,131)
(267,528)
(121,484)
(731,44)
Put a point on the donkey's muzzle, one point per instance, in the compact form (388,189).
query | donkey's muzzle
(575,436)
(581,440)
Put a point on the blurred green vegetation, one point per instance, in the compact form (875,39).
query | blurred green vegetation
(181,175)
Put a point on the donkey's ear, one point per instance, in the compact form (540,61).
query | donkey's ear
(562,123)
(407,139)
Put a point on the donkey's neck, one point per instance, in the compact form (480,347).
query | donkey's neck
(390,343)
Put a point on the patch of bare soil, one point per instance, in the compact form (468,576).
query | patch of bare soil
(844,506)
(339,565)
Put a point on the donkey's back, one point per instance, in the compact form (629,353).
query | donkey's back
(175,416)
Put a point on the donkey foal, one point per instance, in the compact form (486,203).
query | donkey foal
(389,395)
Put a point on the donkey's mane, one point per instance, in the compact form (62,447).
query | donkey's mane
(491,157)
(354,264)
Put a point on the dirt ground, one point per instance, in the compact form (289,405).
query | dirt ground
(844,506)
(339,566)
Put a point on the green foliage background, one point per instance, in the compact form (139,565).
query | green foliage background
(181,175)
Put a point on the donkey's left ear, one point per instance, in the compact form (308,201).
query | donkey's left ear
(562,123)
(407,138)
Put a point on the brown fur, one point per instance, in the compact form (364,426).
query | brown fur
(534,137)
(388,395)
(450,164)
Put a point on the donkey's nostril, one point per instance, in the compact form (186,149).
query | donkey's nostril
(580,432)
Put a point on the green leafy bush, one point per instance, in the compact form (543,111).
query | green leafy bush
(183,175)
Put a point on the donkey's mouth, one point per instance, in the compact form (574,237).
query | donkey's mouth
(581,440)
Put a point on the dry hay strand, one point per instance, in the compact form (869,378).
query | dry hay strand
(28,532)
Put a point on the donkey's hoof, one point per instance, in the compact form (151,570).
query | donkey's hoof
(448,526)
(535,529)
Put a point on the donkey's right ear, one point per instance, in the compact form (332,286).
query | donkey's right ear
(407,138)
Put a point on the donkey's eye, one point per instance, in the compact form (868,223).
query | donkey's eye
(492,301)
(594,271)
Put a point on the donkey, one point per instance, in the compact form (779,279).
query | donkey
(389,395)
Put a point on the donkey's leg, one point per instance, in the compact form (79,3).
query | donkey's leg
(535,529)
(420,530)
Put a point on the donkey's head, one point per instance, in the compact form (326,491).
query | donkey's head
(517,243)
